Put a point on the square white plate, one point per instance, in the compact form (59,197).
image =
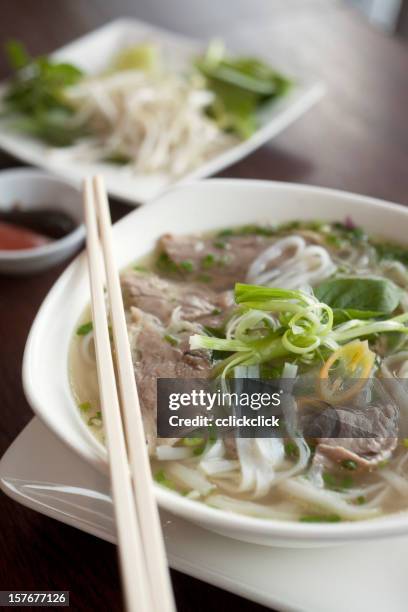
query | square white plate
(93,52)
(40,472)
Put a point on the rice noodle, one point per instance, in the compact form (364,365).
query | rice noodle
(389,365)
(401,463)
(393,369)
(190,477)
(87,348)
(259,459)
(291,264)
(218,467)
(395,271)
(397,482)
(173,453)
(304,491)
(224,502)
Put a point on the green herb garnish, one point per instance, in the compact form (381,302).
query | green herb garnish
(241,86)
(323,518)
(84,329)
(138,268)
(360,298)
(291,450)
(306,328)
(96,420)
(193,441)
(165,264)
(208,261)
(35,97)
(161,478)
(117,159)
(337,483)
(85,406)
(388,250)
(187,265)
(171,340)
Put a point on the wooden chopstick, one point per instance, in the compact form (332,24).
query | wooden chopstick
(134,575)
(148,515)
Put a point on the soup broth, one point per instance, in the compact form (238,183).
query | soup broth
(342,307)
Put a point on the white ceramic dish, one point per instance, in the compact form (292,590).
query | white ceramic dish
(93,52)
(190,208)
(59,484)
(34,189)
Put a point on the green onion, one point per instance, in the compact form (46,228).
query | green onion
(35,97)
(165,264)
(337,484)
(187,265)
(349,464)
(329,480)
(317,518)
(193,441)
(117,158)
(208,261)
(84,329)
(171,339)
(405,442)
(360,500)
(85,406)
(220,244)
(161,478)
(291,450)
(280,323)
(138,268)
(96,420)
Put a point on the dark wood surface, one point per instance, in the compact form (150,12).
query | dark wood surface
(356,139)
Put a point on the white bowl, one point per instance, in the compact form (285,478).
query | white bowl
(36,189)
(200,206)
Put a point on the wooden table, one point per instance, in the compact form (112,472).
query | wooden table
(356,139)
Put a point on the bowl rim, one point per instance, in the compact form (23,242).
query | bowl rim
(32,174)
(201,513)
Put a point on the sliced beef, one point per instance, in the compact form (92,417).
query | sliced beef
(222,261)
(153,358)
(160,297)
(377,425)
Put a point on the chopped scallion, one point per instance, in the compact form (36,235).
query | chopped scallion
(84,329)
(171,340)
(317,518)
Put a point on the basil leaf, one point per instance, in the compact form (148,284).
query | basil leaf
(241,85)
(360,298)
(16,54)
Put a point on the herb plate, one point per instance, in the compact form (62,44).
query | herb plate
(92,53)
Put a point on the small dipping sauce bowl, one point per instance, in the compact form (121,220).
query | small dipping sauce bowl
(29,190)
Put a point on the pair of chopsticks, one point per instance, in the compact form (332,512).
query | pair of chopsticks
(145,575)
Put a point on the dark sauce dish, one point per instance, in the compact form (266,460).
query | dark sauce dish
(41,221)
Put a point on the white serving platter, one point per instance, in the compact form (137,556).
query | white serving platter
(92,53)
(40,472)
